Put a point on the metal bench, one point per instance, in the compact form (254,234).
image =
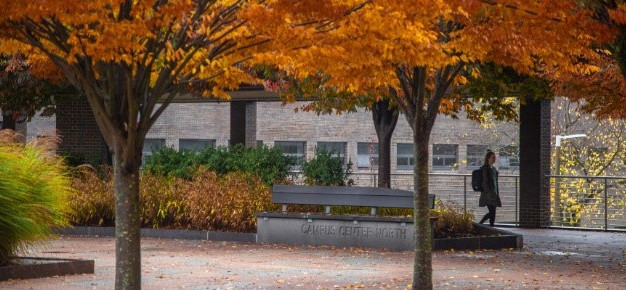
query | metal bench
(328,196)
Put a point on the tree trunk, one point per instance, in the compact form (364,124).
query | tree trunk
(8,122)
(385,120)
(127,224)
(422,272)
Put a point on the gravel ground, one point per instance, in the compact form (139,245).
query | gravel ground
(550,259)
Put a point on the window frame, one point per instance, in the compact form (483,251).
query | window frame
(444,157)
(145,154)
(342,152)
(508,155)
(210,142)
(480,158)
(372,155)
(299,159)
(409,157)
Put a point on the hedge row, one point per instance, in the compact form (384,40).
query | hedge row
(268,163)
(210,201)
(207,201)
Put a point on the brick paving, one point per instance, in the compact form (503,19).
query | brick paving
(551,259)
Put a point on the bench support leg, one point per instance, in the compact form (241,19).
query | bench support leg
(327,209)
(284,208)
(373,211)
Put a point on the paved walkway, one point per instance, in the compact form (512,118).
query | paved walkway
(550,259)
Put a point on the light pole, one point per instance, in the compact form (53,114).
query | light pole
(557,173)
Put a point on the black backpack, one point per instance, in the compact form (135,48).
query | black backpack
(477,179)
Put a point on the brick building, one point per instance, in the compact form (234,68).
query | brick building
(458,145)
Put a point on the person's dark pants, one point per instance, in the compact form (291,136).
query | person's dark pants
(491,215)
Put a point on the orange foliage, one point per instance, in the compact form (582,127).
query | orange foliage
(39,65)
(183,35)
(602,93)
(363,46)
(618,14)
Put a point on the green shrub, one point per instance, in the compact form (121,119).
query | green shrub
(226,203)
(325,169)
(77,158)
(451,222)
(267,163)
(33,194)
(169,162)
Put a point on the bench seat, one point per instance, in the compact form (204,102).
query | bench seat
(373,197)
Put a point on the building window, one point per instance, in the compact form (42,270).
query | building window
(195,144)
(149,146)
(476,155)
(445,156)
(405,156)
(336,149)
(294,149)
(367,155)
(508,157)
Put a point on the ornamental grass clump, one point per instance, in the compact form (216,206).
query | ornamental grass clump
(207,201)
(163,202)
(452,222)
(93,201)
(227,202)
(34,192)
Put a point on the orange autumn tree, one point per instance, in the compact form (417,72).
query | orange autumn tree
(125,56)
(415,51)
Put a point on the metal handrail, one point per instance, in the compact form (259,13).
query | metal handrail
(609,218)
(604,182)
(586,176)
(430,173)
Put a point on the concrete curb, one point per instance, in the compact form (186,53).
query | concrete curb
(31,268)
(162,234)
(494,239)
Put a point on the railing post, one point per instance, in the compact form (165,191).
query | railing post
(516,201)
(464,193)
(375,181)
(606,206)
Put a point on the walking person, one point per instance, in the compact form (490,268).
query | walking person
(490,196)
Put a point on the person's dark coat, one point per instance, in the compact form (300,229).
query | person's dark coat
(490,194)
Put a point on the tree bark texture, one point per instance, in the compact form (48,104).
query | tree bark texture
(127,224)
(422,272)
(421,107)
(385,120)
